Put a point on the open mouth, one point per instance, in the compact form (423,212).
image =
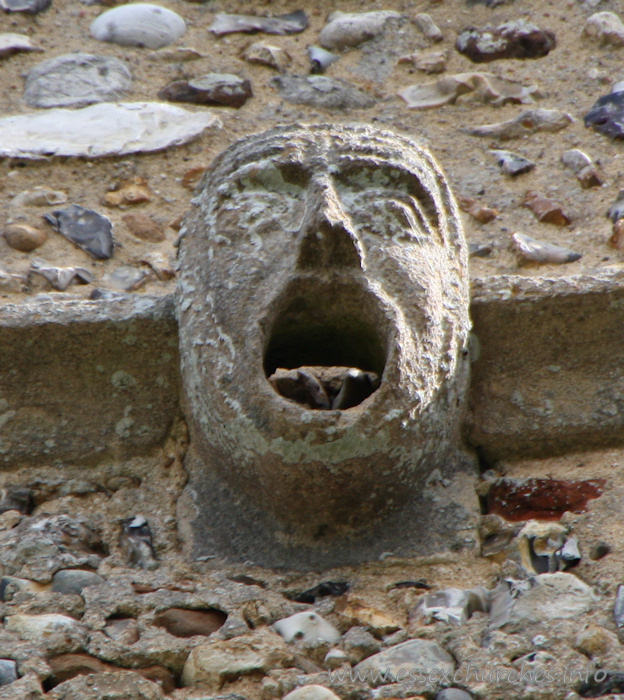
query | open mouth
(327,344)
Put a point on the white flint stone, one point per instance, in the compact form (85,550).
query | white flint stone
(138,24)
(101,130)
(34,627)
(607,27)
(347,29)
(307,627)
(11,43)
(311,692)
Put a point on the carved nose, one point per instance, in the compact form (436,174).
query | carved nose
(327,235)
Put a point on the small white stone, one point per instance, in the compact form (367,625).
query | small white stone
(307,627)
(138,24)
(34,627)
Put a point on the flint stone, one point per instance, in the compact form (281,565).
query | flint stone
(306,627)
(267,55)
(72,581)
(8,671)
(187,623)
(85,228)
(212,89)
(453,694)
(618,608)
(138,24)
(291,23)
(454,605)
(518,39)
(321,91)
(348,29)
(213,664)
(101,130)
(31,7)
(244,246)
(607,27)
(11,43)
(415,656)
(35,627)
(76,80)
(359,643)
(557,596)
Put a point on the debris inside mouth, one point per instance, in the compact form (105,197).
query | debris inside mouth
(320,387)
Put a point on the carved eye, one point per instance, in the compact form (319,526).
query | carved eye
(392,216)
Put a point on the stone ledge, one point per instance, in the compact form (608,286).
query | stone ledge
(81,380)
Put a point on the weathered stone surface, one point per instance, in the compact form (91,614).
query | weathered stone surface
(321,91)
(73,581)
(313,302)
(213,664)
(76,80)
(117,685)
(415,656)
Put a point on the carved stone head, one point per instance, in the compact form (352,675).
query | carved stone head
(323,312)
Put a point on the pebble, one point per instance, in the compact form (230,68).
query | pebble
(478,211)
(479,250)
(453,694)
(120,684)
(582,166)
(311,692)
(73,581)
(291,23)
(101,130)
(138,24)
(335,658)
(34,627)
(160,265)
(8,671)
(593,640)
(268,55)
(23,237)
(359,643)
(530,250)
(607,114)
(545,210)
(517,39)
(428,27)
(137,542)
(348,29)
(320,59)
(134,191)
(528,122)
(143,227)
(321,590)
(177,54)
(181,622)
(430,62)
(398,662)
(618,608)
(513,164)
(223,89)
(616,240)
(39,196)
(11,43)
(85,228)
(446,90)
(31,7)
(616,210)
(123,630)
(453,605)
(60,277)
(306,627)
(76,80)
(321,91)
(606,26)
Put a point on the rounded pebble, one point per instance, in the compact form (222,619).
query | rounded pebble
(138,24)
(24,238)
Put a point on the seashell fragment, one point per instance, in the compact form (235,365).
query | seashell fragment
(528,122)
(605,26)
(11,43)
(101,130)
(513,164)
(517,39)
(529,250)
(138,24)
(85,228)
(213,89)
(267,55)
(347,29)
(76,80)
(545,209)
(24,238)
(60,277)
(320,58)
(446,90)
(291,23)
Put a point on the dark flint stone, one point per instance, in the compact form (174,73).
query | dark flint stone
(16,498)
(326,588)
(518,39)
(85,228)
(412,584)
(613,683)
(212,89)
(137,541)
(607,115)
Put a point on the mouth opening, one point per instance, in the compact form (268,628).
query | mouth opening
(326,347)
